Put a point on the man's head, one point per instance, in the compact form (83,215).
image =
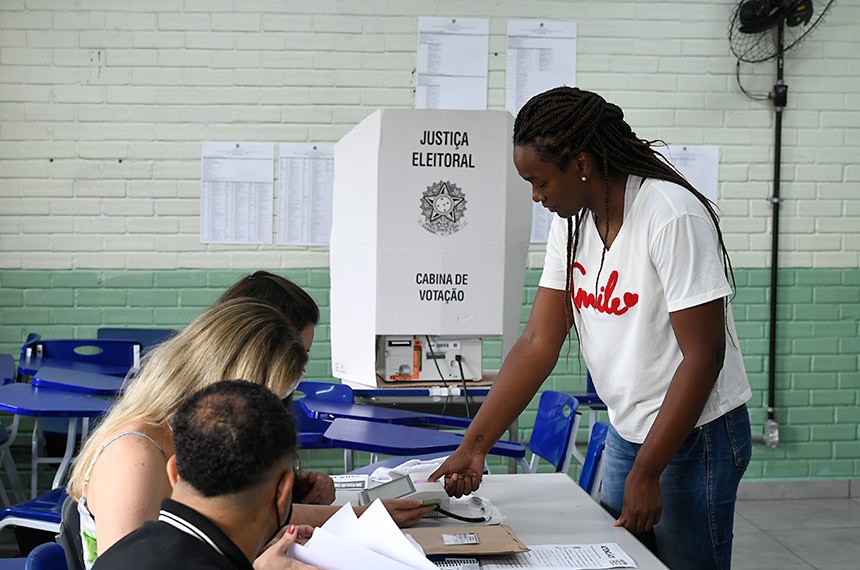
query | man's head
(235,444)
(230,435)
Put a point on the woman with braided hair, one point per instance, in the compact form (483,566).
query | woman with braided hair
(637,270)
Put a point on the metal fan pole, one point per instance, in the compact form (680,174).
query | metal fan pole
(779,96)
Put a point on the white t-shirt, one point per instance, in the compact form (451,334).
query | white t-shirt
(666,257)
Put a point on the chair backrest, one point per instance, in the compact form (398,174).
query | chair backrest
(554,428)
(7,369)
(48,556)
(146,337)
(70,535)
(94,351)
(589,477)
(328,391)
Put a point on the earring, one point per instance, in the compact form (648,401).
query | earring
(584,179)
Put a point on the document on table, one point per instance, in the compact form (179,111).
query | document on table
(452,64)
(305,183)
(236,192)
(540,55)
(698,163)
(585,556)
(373,541)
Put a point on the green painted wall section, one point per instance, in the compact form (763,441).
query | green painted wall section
(818,377)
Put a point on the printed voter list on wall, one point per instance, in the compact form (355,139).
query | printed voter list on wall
(541,223)
(541,55)
(452,63)
(699,165)
(305,180)
(236,192)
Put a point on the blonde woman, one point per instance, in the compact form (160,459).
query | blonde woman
(120,477)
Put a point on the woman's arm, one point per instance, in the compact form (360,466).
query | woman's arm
(701,335)
(405,512)
(126,488)
(317,488)
(529,363)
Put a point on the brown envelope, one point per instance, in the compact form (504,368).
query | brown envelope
(494,539)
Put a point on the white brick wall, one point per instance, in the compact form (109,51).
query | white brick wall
(104,103)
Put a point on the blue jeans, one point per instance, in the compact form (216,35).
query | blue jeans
(699,488)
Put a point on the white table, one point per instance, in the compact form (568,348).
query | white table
(550,508)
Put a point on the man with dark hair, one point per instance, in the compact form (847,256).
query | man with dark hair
(232,477)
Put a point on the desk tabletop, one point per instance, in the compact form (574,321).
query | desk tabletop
(26,400)
(550,508)
(324,409)
(78,381)
(392,439)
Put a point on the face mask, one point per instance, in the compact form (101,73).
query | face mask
(278,524)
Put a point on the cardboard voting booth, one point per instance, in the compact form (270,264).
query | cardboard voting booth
(430,231)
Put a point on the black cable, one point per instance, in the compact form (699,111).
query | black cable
(459,359)
(460,517)
(439,370)
(753,96)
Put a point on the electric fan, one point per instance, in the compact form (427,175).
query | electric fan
(756,26)
(761,30)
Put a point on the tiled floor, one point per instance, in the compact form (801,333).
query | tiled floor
(794,534)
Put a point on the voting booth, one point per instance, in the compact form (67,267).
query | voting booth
(430,231)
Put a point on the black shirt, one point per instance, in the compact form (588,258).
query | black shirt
(182,538)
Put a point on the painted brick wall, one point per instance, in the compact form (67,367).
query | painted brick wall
(104,103)
(818,373)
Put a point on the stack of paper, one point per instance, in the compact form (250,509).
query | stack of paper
(346,542)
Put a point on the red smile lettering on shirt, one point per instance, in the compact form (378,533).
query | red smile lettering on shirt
(604,302)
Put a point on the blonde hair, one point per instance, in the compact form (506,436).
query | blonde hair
(238,339)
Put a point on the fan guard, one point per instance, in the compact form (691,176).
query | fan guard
(754,23)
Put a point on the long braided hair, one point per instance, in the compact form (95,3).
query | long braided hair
(562,123)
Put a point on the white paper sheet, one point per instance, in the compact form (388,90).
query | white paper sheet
(699,164)
(333,552)
(540,55)
(305,183)
(452,63)
(376,523)
(371,541)
(236,192)
(585,556)
(541,222)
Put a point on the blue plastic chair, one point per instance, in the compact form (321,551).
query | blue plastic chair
(114,357)
(552,435)
(48,556)
(311,429)
(329,391)
(589,477)
(7,376)
(146,337)
(7,369)
(42,513)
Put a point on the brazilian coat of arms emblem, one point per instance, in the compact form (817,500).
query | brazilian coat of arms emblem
(443,208)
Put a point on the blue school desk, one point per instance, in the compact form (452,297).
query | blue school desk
(26,400)
(70,380)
